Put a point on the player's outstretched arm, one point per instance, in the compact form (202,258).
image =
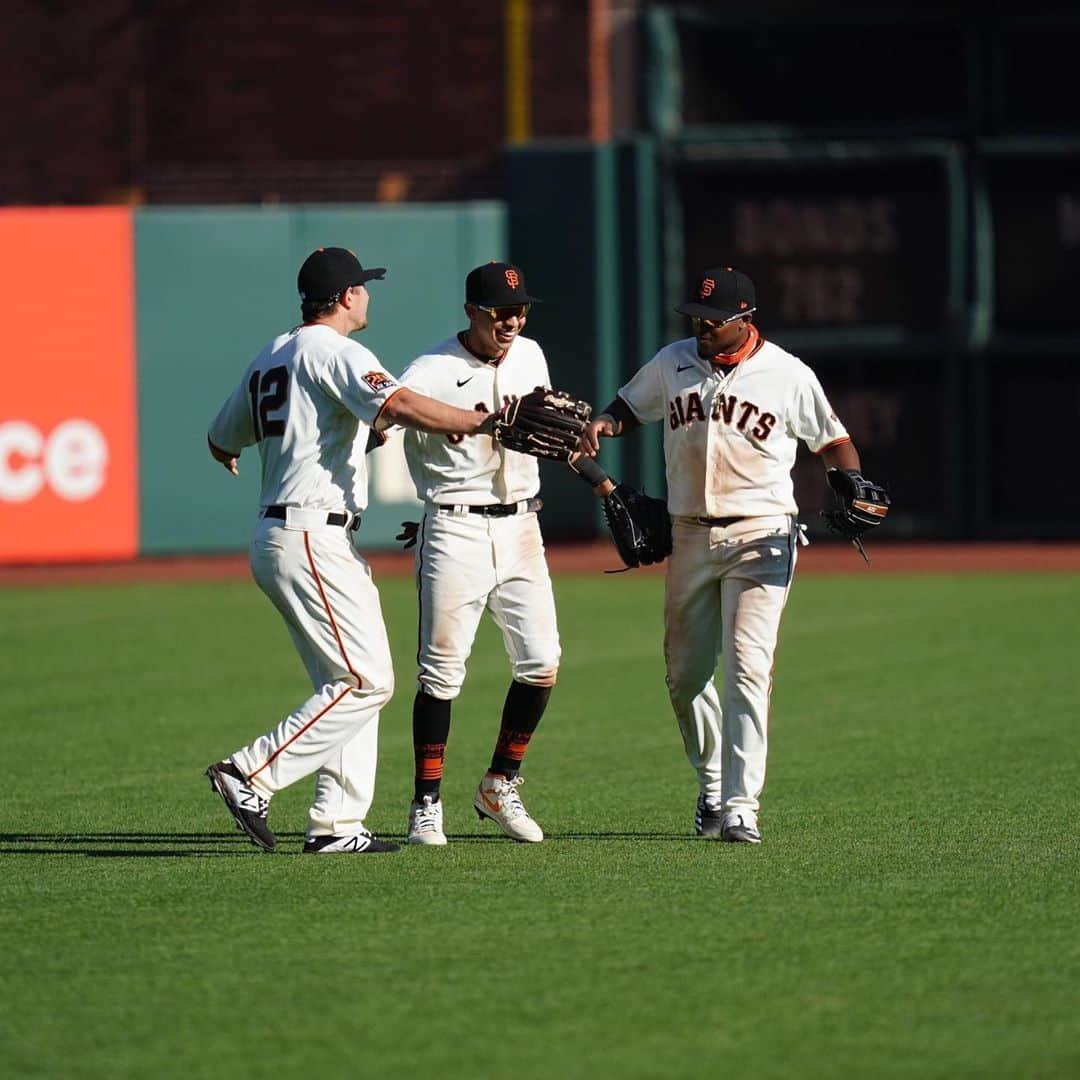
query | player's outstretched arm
(413,410)
(590,471)
(615,420)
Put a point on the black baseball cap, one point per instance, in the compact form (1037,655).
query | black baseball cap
(720,293)
(329,271)
(497,284)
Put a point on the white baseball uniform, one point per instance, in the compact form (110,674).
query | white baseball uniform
(468,561)
(730,437)
(308,401)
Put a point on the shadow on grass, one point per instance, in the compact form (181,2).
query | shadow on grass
(639,835)
(133,845)
(499,838)
(172,845)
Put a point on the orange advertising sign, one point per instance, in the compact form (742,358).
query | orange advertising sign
(68,479)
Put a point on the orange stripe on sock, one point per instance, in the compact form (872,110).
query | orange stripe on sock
(513,744)
(429,761)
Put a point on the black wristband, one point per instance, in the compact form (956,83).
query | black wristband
(588,469)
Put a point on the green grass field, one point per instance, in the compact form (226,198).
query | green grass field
(912,912)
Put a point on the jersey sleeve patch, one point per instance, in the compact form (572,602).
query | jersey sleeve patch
(378,380)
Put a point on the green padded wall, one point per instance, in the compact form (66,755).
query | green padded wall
(563,234)
(584,226)
(213,285)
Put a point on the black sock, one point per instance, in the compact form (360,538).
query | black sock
(524,706)
(431,729)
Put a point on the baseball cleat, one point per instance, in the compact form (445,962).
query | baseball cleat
(708,819)
(425,822)
(246,805)
(497,798)
(740,829)
(363,843)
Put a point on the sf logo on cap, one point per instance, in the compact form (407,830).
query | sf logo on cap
(512,279)
(707,287)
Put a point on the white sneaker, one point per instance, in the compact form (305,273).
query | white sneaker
(740,827)
(425,822)
(497,798)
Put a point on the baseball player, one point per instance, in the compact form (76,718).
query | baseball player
(479,549)
(734,407)
(309,401)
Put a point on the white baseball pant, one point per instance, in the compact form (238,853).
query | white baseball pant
(466,564)
(725,592)
(323,589)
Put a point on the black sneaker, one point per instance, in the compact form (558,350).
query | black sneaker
(246,805)
(707,822)
(359,844)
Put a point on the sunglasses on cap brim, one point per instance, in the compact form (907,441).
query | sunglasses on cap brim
(715,324)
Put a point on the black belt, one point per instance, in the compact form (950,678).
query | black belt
(721,522)
(352,520)
(494,509)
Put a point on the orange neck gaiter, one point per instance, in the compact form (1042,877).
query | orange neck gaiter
(742,352)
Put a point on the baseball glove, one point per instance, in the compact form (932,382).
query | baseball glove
(544,423)
(640,526)
(860,505)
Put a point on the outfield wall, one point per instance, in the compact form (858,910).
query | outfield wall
(125,329)
(927,282)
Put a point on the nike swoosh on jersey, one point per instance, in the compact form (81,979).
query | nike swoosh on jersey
(685,367)
(462,382)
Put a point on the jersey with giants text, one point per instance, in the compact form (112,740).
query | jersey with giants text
(308,400)
(472,469)
(730,433)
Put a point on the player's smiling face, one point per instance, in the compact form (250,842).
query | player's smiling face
(492,330)
(723,338)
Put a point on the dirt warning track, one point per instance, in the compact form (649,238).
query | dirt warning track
(821,557)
